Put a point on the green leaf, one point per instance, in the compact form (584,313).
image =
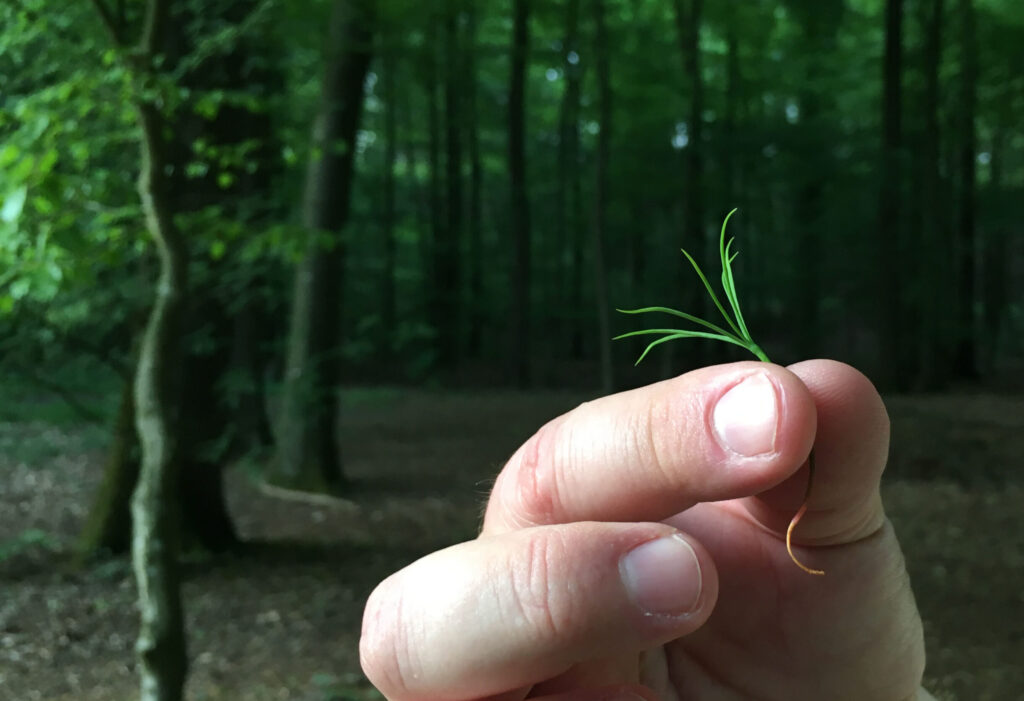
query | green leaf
(14,203)
(739,336)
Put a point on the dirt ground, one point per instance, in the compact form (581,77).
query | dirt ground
(281,619)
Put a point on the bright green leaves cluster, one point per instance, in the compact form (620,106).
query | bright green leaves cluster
(63,129)
(735,330)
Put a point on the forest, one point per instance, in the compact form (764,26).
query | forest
(265,266)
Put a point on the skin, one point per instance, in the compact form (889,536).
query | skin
(538,606)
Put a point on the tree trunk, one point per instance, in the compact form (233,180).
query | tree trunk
(569,193)
(389,313)
(819,23)
(309,457)
(570,185)
(476,285)
(520,214)
(448,252)
(935,262)
(894,362)
(108,528)
(161,641)
(688,26)
(437,293)
(995,281)
(604,101)
(966,358)
(732,97)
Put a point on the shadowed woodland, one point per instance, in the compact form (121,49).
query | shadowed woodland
(283,284)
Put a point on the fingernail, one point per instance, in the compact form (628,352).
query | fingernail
(746,418)
(663,576)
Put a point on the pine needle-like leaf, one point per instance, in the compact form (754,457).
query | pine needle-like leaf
(681,315)
(739,336)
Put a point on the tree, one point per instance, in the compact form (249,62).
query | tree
(519,214)
(476,185)
(604,98)
(930,340)
(966,357)
(448,262)
(890,246)
(688,23)
(569,218)
(308,455)
(161,641)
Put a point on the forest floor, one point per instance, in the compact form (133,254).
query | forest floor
(281,619)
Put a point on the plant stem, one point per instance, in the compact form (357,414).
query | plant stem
(799,514)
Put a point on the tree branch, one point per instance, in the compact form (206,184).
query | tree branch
(152,28)
(108,21)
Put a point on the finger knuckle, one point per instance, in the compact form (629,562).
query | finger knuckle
(385,652)
(535,492)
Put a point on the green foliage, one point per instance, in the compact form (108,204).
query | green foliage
(28,539)
(737,333)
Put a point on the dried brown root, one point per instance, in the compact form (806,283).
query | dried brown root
(798,516)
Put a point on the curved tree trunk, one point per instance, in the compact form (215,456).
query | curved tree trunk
(161,642)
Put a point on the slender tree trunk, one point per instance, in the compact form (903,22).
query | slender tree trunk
(732,96)
(688,21)
(890,246)
(476,284)
(995,285)
(108,528)
(437,298)
(160,645)
(604,100)
(161,641)
(309,457)
(966,359)
(389,311)
(520,213)
(448,253)
(570,187)
(934,255)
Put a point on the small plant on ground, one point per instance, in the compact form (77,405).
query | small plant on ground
(735,331)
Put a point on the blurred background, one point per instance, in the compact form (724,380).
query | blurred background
(431,211)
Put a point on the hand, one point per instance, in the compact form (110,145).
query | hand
(636,546)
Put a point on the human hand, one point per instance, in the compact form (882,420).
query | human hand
(636,545)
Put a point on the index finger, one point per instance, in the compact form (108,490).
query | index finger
(716,433)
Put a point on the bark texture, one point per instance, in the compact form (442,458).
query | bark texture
(309,456)
(161,642)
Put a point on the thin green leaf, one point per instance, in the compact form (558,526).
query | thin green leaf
(711,291)
(681,333)
(729,281)
(739,335)
(682,315)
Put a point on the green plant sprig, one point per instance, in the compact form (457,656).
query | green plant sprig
(735,332)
